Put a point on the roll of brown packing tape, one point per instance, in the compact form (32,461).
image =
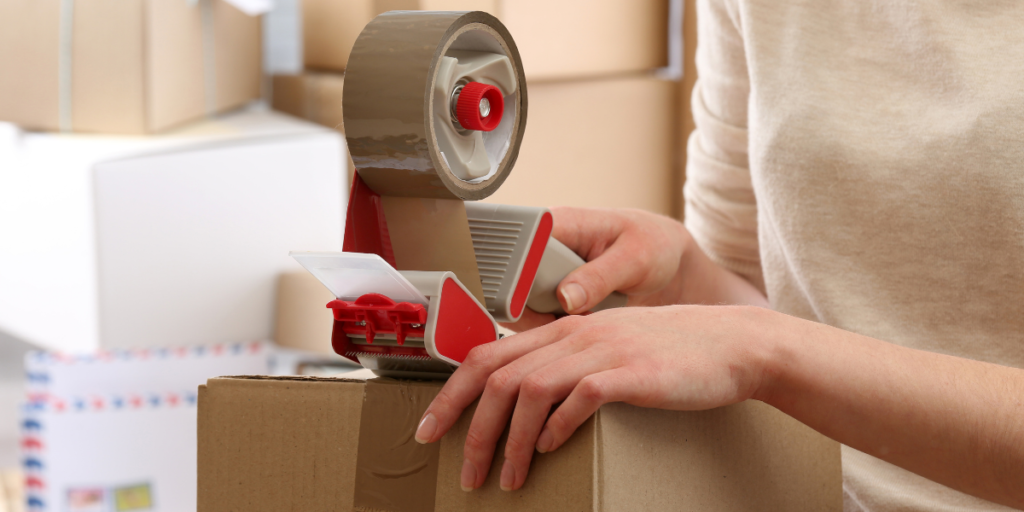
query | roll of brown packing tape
(398,96)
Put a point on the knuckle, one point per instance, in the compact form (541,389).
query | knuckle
(443,401)
(535,387)
(558,425)
(591,390)
(501,382)
(515,447)
(475,442)
(480,356)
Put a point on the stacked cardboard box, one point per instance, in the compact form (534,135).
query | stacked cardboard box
(130,67)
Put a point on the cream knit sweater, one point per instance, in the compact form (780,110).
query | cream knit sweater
(863,161)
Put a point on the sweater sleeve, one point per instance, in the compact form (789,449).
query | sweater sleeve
(721,211)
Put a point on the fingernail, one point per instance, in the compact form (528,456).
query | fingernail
(545,441)
(508,476)
(425,432)
(468,476)
(574,296)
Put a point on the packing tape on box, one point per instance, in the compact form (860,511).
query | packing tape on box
(394,473)
(397,104)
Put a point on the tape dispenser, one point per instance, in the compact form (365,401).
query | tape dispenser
(434,109)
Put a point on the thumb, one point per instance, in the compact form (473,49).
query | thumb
(588,285)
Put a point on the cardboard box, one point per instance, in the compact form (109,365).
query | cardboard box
(153,241)
(558,39)
(598,143)
(312,96)
(303,320)
(124,66)
(270,444)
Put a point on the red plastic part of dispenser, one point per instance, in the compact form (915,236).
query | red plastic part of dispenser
(366,229)
(374,314)
(461,323)
(468,107)
(531,264)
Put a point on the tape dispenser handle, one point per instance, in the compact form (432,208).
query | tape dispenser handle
(558,261)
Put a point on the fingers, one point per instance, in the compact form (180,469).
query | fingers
(467,383)
(621,267)
(592,391)
(623,250)
(500,395)
(587,231)
(538,392)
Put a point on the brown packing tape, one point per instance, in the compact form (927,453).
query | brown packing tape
(394,473)
(389,102)
(433,235)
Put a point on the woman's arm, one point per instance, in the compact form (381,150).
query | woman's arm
(956,421)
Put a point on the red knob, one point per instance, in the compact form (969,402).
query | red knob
(480,107)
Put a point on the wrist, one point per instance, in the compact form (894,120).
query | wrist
(777,335)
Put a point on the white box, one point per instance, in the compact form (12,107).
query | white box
(113,242)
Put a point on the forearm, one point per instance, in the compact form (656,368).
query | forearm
(955,421)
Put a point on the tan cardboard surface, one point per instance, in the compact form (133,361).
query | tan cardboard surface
(744,457)
(175,70)
(330,28)
(274,445)
(302,319)
(312,96)
(562,39)
(107,78)
(598,143)
(558,39)
(292,444)
(136,66)
(433,235)
(29,81)
(238,56)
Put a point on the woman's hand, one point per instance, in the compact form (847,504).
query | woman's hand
(651,258)
(676,357)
